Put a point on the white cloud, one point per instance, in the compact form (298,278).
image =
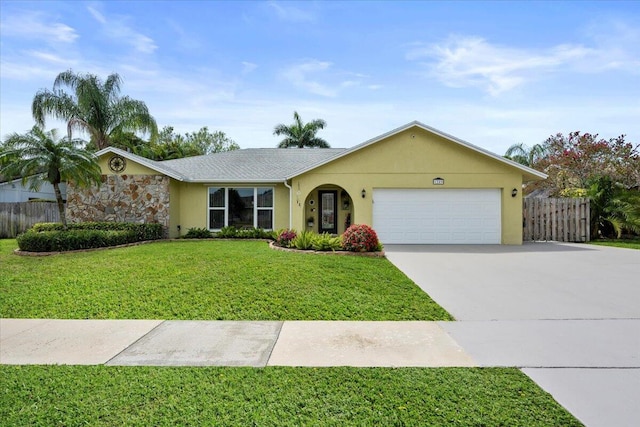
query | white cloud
(36,26)
(117,28)
(290,13)
(472,61)
(320,78)
(248,67)
(298,75)
(11,70)
(52,58)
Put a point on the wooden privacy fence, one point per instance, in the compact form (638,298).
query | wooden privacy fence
(561,220)
(16,218)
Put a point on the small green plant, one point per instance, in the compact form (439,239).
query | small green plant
(326,242)
(360,238)
(304,240)
(198,233)
(232,232)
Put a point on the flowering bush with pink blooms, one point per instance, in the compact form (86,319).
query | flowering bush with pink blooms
(285,238)
(360,238)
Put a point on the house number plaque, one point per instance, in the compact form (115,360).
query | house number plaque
(438,181)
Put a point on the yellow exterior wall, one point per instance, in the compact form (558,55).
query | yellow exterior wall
(174,209)
(193,204)
(412,159)
(132,168)
(409,159)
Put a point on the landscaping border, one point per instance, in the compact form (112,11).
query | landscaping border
(272,245)
(379,254)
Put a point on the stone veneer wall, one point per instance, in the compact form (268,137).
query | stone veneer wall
(121,198)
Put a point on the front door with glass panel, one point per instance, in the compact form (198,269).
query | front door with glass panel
(328,211)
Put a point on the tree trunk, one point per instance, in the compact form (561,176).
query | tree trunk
(102,142)
(63,218)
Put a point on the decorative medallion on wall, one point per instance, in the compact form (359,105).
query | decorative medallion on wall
(117,163)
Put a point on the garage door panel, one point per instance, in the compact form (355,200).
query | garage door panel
(437,216)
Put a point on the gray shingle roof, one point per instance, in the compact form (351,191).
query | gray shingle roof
(252,164)
(248,165)
(279,164)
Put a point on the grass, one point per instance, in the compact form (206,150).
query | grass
(629,244)
(212,280)
(273,396)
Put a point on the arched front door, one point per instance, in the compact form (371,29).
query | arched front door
(328,211)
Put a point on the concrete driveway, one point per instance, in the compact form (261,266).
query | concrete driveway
(568,315)
(532,281)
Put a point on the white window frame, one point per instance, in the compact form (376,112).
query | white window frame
(255,206)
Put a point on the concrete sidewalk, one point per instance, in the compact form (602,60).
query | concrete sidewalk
(603,356)
(228,343)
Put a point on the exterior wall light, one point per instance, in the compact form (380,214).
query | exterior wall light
(514,192)
(364,193)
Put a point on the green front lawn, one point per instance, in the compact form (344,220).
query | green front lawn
(145,396)
(230,280)
(629,244)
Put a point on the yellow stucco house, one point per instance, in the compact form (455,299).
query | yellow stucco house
(414,184)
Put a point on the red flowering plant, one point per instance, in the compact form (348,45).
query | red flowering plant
(360,238)
(285,237)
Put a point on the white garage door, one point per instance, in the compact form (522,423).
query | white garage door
(442,216)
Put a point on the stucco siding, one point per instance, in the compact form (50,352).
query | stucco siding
(193,203)
(132,168)
(412,159)
(174,208)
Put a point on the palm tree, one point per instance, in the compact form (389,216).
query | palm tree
(525,155)
(93,106)
(39,155)
(301,135)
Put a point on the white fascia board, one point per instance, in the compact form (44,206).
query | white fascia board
(235,181)
(140,160)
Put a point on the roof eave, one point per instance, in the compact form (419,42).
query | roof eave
(140,160)
(233,181)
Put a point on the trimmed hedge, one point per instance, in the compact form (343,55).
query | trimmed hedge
(198,233)
(51,237)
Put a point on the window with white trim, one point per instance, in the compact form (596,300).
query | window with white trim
(241,207)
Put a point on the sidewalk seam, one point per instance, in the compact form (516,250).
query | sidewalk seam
(135,342)
(275,342)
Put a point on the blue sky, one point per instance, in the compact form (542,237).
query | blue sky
(491,73)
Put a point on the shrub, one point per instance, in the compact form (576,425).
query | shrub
(304,240)
(198,233)
(360,238)
(51,237)
(150,231)
(60,241)
(325,242)
(285,237)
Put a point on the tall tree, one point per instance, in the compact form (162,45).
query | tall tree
(39,155)
(573,160)
(525,155)
(171,145)
(93,106)
(299,134)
